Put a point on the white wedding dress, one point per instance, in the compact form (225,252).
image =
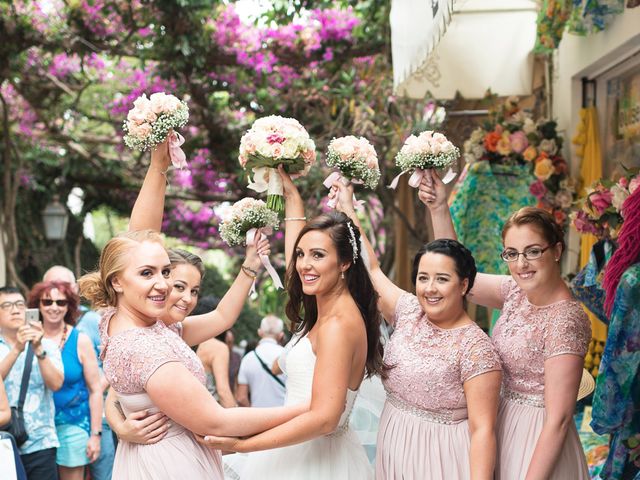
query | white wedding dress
(337,456)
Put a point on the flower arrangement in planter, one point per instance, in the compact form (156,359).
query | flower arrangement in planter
(513,137)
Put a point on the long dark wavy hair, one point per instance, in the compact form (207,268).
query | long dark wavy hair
(302,309)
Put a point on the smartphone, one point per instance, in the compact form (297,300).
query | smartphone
(32,316)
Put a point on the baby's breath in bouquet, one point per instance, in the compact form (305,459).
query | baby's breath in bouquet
(429,150)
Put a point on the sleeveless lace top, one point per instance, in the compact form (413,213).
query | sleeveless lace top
(298,362)
(526,335)
(430,364)
(130,357)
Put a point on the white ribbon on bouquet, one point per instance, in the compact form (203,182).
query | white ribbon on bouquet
(338,177)
(417,176)
(266,179)
(253,235)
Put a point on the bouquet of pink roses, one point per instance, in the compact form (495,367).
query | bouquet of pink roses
(274,141)
(241,224)
(600,210)
(354,160)
(426,151)
(153,120)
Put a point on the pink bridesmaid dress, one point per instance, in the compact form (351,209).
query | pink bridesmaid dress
(423,432)
(129,359)
(525,336)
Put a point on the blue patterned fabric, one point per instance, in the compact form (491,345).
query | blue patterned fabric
(72,400)
(39,410)
(482,202)
(616,401)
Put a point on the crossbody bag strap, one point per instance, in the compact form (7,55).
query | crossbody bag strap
(26,373)
(268,370)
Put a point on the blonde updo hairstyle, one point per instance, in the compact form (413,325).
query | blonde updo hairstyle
(96,286)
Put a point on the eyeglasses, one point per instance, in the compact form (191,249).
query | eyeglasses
(532,253)
(47,302)
(19,304)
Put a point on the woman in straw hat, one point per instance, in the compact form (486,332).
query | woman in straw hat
(443,373)
(542,337)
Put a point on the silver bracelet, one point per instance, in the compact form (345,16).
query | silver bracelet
(292,219)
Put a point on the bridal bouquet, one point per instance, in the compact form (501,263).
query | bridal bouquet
(153,120)
(423,152)
(270,142)
(241,224)
(354,161)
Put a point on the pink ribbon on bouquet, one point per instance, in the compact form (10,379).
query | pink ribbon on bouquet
(178,158)
(252,239)
(417,176)
(337,177)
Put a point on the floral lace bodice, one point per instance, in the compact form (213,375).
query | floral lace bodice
(130,357)
(526,335)
(430,364)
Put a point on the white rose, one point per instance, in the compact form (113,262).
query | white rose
(137,116)
(158,102)
(529,126)
(548,146)
(619,196)
(290,148)
(142,103)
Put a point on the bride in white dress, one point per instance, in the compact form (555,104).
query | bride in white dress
(332,307)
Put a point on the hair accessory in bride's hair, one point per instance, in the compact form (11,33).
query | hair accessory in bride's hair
(353,241)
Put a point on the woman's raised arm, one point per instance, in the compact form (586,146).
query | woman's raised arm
(388,292)
(149,207)
(294,218)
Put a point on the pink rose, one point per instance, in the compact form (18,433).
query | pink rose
(141,131)
(537,189)
(275,138)
(158,102)
(634,183)
(142,103)
(623,182)
(172,103)
(583,223)
(600,201)
(277,150)
(518,141)
(136,116)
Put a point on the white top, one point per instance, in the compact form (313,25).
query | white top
(263,389)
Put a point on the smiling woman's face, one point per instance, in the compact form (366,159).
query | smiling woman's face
(317,263)
(145,283)
(184,295)
(531,275)
(53,307)
(439,289)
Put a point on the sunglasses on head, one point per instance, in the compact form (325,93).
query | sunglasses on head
(47,302)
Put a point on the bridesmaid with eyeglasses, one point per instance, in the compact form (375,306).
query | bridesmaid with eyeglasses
(78,403)
(541,336)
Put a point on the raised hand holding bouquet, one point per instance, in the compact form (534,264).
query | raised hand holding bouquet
(429,150)
(153,120)
(244,222)
(354,161)
(273,141)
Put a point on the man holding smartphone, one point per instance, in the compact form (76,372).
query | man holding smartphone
(38,453)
